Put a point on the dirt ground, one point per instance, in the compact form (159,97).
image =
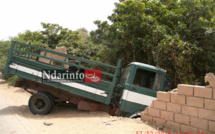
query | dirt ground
(68,120)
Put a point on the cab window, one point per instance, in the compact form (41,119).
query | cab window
(125,75)
(147,79)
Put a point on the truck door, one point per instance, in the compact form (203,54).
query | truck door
(142,89)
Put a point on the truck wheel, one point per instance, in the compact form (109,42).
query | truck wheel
(51,99)
(40,103)
(135,115)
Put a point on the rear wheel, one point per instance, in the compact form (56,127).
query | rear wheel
(40,103)
(51,99)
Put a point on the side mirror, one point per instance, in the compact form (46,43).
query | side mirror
(168,83)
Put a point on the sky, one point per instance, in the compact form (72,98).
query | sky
(17,16)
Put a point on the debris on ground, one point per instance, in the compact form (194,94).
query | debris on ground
(47,123)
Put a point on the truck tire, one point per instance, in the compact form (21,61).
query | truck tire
(135,115)
(39,103)
(51,99)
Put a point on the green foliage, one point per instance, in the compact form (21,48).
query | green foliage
(83,34)
(55,35)
(175,35)
(12,80)
(4,50)
(100,34)
(78,42)
(33,38)
(51,37)
(175,55)
(85,50)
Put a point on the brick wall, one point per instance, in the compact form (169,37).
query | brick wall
(187,108)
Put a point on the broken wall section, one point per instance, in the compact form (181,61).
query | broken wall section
(187,108)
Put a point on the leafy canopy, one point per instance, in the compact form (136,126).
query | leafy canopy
(175,35)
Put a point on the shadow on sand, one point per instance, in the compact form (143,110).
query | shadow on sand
(57,112)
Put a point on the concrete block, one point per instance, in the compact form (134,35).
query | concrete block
(163,96)
(173,125)
(104,108)
(195,101)
(145,111)
(210,78)
(94,107)
(191,111)
(154,112)
(160,105)
(209,104)
(211,81)
(84,105)
(159,121)
(207,114)
(177,99)
(174,91)
(152,105)
(199,123)
(212,126)
(201,91)
(176,108)
(184,89)
(214,93)
(182,119)
(210,75)
(54,56)
(202,131)
(146,117)
(167,115)
(185,128)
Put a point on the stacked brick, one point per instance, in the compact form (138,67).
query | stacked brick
(189,108)
(54,56)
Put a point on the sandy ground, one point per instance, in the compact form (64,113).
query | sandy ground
(68,120)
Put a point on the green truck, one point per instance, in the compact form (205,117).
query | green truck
(122,91)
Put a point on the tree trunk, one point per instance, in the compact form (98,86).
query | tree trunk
(134,58)
(149,58)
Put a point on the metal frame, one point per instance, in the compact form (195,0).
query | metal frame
(28,56)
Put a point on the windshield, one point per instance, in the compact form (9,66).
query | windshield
(147,79)
(125,74)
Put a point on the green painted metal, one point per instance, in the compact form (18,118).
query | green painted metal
(132,107)
(28,56)
(149,67)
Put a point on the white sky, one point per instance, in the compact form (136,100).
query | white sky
(17,16)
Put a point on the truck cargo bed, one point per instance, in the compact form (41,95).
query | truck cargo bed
(28,61)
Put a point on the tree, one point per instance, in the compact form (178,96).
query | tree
(34,38)
(174,35)
(5,47)
(83,34)
(56,35)
(100,34)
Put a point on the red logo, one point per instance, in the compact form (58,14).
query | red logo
(92,76)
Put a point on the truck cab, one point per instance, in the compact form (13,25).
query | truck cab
(138,84)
